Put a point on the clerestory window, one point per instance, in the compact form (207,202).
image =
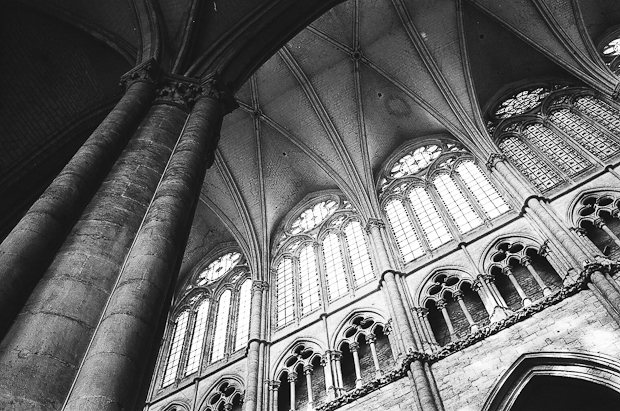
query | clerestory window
(322,256)
(436,193)
(556,134)
(213,319)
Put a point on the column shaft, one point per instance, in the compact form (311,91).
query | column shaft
(253,360)
(358,370)
(56,325)
(32,244)
(121,346)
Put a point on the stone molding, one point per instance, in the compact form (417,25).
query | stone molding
(178,91)
(212,86)
(258,285)
(471,339)
(494,158)
(374,222)
(147,72)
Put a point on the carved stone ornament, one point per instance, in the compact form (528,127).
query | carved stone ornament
(179,91)
(374,222)
(260,285)
(494,159)
(147,71)
(212,86)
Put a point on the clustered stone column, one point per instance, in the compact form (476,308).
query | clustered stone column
(557,232)
(254,369)
(85,335)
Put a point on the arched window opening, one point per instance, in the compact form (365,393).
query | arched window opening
(598,218)
(323,250)
(561,133)
(522,274)
(434,194)
(221,327)
(209,329)
(453,306)
(198,335)
(176,346)
(302,379)
(227,396)
(366,351)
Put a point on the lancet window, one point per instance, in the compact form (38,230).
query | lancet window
(452,306)
(226,396)
(597,218)
(365,352)
(555,133)
(434,194)
(302,379)
(212,320)
(521,273)
(322,256)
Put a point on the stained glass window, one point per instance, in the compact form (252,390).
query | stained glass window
(403,230)
(612,48)
(567,159)
(521,102)
(176,347)
(221,327)
(314,216)
(485,193)
(416,161)
(335,273)
(458,206)
(588,136)
(286,293)
(600,112)
(309,286)
(243,318)
(435,230)
(218,268)
(198,336)
(358,253)
(536,170)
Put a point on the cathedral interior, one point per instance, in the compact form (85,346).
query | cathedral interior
(280,205)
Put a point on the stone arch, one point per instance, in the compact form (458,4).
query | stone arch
(596,368)
(231,386)
(177,406)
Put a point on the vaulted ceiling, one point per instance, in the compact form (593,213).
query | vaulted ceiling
(328,107)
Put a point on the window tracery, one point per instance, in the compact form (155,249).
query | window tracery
(598,218)
(212,320)
(609,50)
(442,196)
(521,273)
(227,396)
(452,306)
(302,378)
(323,250)
(558,135)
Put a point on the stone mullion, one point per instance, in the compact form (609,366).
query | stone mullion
(336,356)
(417,227)
(346,258)
(371,340)
(456,176)
(275,388)
(525,300)
(308,373)
(459,298)
(330,386)
(163,356)
(443,212)
(319,260)
(353,347)
(599,223)
(31,246)
(427,332)
(233,320)
(296,296)
(121,345)
(292,379)
(527,262)
(581,234)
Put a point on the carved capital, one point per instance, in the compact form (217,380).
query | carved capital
(308,368)
(507,270)
(526,260)
(494,158)
(354,346)
(228,407)
(274,385)
(599,223)
(374,222)
(544,248)
(212,86)
(579,230)
(458,295)
(147,72)
(371,339)
(602,264)
(335,355)
(388,327)
(292,377)
(487,278)
(260,285)
(441,304)
(421,311)
(178,91)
